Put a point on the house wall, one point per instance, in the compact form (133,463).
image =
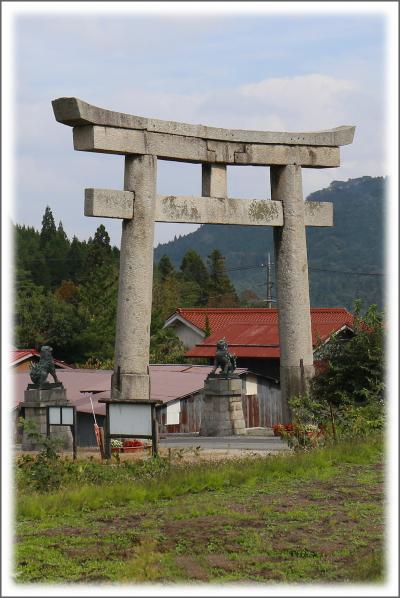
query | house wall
(181,416)
(264,408)
(85,424)
(23,366)
(188,336)
(261,407)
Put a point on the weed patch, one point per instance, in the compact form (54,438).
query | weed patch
(308,517)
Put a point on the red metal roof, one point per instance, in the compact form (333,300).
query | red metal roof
(254,332)
(18,355)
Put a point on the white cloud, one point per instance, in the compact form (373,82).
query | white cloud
(313,101)
(309,102)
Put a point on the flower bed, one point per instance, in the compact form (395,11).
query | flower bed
(301,435)
(134,445)
(128,446)
(281,429)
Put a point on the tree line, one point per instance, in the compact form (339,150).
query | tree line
(66,294)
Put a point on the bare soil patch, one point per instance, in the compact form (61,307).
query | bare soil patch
(192,569)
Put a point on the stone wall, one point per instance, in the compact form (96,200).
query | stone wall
(222,407)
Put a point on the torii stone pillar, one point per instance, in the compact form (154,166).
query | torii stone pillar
(131,374)
(143,141)
(296,355)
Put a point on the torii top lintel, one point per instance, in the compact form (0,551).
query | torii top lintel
(99,130)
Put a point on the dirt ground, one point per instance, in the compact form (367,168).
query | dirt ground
(283,531)
(181,454)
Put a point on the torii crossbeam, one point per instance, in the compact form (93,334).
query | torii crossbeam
(142,141)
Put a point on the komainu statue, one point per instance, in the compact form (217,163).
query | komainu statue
(223,359)
(40,371)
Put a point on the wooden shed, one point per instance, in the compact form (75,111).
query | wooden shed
(261,406)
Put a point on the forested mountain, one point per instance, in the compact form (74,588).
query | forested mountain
(66,290)
(355,244)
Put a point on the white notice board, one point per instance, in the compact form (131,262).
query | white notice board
(130,419)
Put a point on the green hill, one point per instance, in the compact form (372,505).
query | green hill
(355,244)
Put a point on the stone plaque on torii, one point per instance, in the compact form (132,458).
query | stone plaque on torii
(142,141)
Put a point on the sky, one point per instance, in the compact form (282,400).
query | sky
(249,69)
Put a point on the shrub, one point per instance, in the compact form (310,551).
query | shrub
(354,367)
(301,435)
(346,398)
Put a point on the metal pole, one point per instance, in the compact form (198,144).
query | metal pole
(74,434)
(154,432)
(269,282)
(107,441)
(47,422)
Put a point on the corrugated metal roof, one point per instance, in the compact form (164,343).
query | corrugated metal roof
(73,380)
(253,332)
(168,382)
(18,355)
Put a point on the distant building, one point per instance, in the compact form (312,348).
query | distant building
(252,333)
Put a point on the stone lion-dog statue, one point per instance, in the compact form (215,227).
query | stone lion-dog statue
(223,359)
(45,366)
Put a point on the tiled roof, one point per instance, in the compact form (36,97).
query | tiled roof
(253,332)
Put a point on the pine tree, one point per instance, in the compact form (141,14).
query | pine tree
(48,230)
(166,296)
(194,270)
(207,327)
(98,306)
(61,232)
(76,260)
(99,250)
(56,253)
(221,291)
(165,268)
(98,295)
(29,256)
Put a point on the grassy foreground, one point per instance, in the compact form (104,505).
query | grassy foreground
(310,517)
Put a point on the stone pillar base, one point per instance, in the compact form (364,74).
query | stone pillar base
(35,404)
(222,413)
(130,387)
(295,380)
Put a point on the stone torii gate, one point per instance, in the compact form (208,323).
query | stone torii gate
(142,141)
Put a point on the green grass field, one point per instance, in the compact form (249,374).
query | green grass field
(311,517)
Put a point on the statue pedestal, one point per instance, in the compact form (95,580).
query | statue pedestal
(222,413)
(35,403)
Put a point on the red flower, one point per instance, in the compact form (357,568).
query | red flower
(133,443)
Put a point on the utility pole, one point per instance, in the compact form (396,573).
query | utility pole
(269,282)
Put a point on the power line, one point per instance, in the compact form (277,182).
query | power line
(240,268)
(270,284)
(347,272)
(245,268)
